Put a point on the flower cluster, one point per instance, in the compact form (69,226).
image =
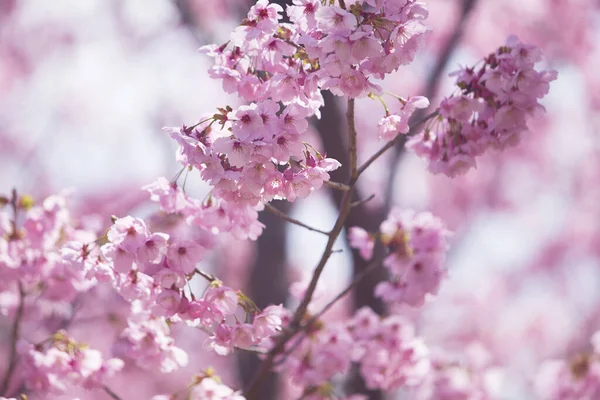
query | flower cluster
(386,350)
(150,270)
(206,386)
(49,259)
(349,46)
(258,153)
(577,378)
(261,157)
(29,251)
(471,378)
(51,365)
(417,243)
(490,112)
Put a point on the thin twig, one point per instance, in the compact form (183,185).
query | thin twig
(289,219)
(361,202)
(206,275)
(337,185)
(12,360)
(111,393)
(359,277)
(393,142)
(307,325)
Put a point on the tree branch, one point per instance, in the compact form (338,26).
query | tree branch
(393,142)
(112,394)
(16,329)
(291,220)
(299,314)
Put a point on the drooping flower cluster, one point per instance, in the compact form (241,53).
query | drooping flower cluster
(491,110)
(324,47)
(417,243)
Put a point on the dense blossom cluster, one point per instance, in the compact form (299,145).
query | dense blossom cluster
(417,244)
(50,366)
(258,153)
(490,111)
(388,354)
(53,261)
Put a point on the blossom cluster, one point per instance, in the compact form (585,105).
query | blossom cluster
(49,259)
(471,377)
(577,378)
(51,365)
(417,244)
(206,387)
(257,153)
(387,351)
(490,111)
(151,270)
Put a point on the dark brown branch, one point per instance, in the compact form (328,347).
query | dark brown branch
(361,202)
(352,142)
(307,325)
(299,314)
(267,284)
(206,276)
(393,142)
(336,185)
(112,394)
(16,331)
(357,278)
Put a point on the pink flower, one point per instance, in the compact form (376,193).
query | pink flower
(221,341)
(390,126)
(167,303)
(170,197)
(243,336)
(128,233)
(268,321)
(418,244)
(154,249)
(223,299)
(334,20)
(183,255)
(361,240)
